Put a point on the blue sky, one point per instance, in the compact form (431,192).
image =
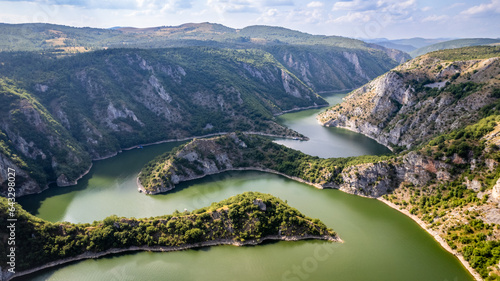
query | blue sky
(352,18)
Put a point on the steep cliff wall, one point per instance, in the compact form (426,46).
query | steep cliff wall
(203,157)
(418,100)
(35,145)
(332,69)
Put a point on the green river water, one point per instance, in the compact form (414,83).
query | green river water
(380,243)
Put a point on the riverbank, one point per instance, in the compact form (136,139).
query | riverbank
(75,182)
(434,234)
(141,188)
(436,237)
(200,137)
(350,129)
(301,109)
(6,276)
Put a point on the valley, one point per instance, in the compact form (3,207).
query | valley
(168,120)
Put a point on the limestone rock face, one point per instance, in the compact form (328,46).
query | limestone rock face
(377,179)
(260,203)
(398,109)
(473,184)
(28,186)
(495,194)
(62,180)
(75,113)
(204,157)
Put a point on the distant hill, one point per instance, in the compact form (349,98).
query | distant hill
(419,42)
(405,45)
(392,45)
(38,36)
(452,44)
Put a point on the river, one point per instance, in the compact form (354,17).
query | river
(380,243)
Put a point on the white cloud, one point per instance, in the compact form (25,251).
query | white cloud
(426,8)
(492,7)
(315,4)
(353,17)
(141,5)
(355,5)
(272,3)
(456,5)
(392,11)
(435,18)
(269,16)
(233,6)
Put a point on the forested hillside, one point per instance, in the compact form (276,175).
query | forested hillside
(451,183)
(324,63)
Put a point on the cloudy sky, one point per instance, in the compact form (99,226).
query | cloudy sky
(352,18)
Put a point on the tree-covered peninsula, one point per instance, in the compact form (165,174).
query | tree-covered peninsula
(246,219)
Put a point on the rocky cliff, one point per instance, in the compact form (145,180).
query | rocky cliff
(59,113)
(369,178)
(420,99)
(34,145)
(327,69)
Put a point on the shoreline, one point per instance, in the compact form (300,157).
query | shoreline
(436,237)
(422,224)
(349,129)
(301,109)
(90,255)
(194,137)
(75,182)
(141,188)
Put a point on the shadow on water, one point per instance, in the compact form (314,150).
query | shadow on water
(103,174)
(215,181)
(33,202)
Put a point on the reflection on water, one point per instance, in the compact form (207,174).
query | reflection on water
(327,142)
(380,243)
